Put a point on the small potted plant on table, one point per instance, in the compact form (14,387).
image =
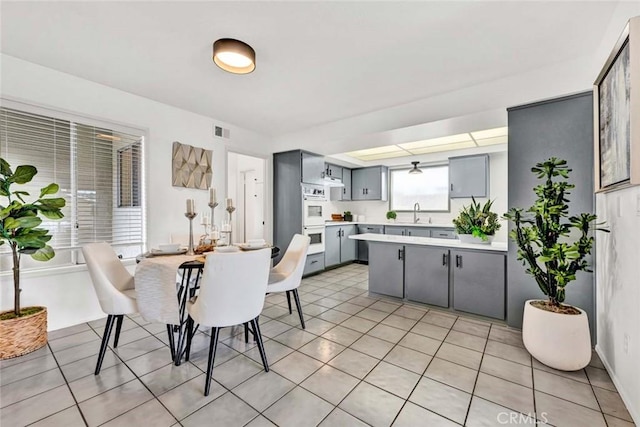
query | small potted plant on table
(476,223)
(556,334)
(391,216)
(348,216)
(24,329)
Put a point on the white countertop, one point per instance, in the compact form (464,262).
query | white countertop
(429,241)
(390,224)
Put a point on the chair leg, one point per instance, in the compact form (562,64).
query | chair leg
(212,355)
(289,301)
(246,332)
(190,332)
(258,334)
(172,344)
(118,328)
(298,306)
(105,342)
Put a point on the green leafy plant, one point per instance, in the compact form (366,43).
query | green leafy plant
(392,215)
(19,221)
(542,233)
(347,213)
(477,220)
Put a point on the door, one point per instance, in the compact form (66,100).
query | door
(396,231)
(358,184)
(426,275)
(478,280)
(312,169)
(386,269)
(418,232)
(332,246)
(348,247)
(346,180)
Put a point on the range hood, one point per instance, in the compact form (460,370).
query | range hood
(330,181)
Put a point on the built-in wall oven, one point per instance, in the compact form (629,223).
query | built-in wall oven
(316,234)
(314,212)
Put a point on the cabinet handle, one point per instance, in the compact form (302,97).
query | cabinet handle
(363,191)
(403,232)
(313,262)
(444,259)
(451,187)
(341,233)
(338,233)
(400,253)
(409,233)
(344,190)
(459,261)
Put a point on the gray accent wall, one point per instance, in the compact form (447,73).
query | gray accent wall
(563,128)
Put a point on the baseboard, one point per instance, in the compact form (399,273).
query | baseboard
(633,411)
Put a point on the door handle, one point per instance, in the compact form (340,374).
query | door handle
(444,259)
(459,261)
(400,254)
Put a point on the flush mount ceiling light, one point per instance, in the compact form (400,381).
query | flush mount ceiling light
(234,56)
(415,169)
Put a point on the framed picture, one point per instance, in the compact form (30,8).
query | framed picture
(617,114)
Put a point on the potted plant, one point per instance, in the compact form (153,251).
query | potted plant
(391,216)
(348,216)
(476,223)
(24,329)
(556,334)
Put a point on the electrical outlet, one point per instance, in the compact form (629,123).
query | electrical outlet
(626,343)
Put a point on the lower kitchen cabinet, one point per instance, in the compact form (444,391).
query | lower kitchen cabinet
(386,269)
(338,247)
(313,264)
(478,281)
(426,275)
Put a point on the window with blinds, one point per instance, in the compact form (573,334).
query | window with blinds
(99,171)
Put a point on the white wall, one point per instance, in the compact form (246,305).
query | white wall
(70,296)
(375,211)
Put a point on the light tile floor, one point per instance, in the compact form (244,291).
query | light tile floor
(361,361)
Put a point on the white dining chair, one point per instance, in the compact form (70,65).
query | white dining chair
(231,293)
(287,275)
(114,287)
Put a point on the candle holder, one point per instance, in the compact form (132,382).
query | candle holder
(212,205)
(230,209)
(190,216)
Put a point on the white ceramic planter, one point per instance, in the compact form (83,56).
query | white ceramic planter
(470,238)
(560,341)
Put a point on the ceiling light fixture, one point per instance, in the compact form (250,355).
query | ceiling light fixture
(234,56)
(415,169)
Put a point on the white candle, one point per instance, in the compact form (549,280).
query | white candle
(229,202)
(212,195)
(215,234)
(190,206)
(203,221)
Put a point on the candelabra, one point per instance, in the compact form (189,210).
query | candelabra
(230,209)
(190,216)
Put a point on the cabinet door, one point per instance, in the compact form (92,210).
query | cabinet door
(469,176)
(443,233)
(418,232)
(395,230)
(426,275)
(346,180)
(478,282)
(313,264)
(358,184)
(386,269)
(312,168)
(333,170)
(348,247)
(332,246)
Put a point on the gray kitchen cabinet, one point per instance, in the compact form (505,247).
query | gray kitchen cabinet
(333,170)
(363,245)
(469,176)
(370,183)
(312,168)
(478,281)
(343,193)
(395,230)
(407,231)
(386,269)
(338,247)
(443,233)
(426,275)
(313,264)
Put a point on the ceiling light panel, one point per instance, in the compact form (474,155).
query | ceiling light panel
(377,150)
(490,133)
(492,141)
(447,147)
(445,140)
(382,156)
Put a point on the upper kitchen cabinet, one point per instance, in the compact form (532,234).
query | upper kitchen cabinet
(469,176)
(370,183)
(343,193)
(312,168)
(333,171)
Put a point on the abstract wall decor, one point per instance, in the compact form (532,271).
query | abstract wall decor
(616,111)
(192,166)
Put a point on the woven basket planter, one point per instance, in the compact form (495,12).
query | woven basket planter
(23,335)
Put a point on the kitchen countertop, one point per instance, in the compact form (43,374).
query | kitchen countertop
(429,241)
(390,224)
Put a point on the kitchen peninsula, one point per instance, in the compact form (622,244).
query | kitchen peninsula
(443,272)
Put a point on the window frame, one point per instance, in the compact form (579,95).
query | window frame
(407,169)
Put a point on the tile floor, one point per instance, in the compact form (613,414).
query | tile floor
(360,361)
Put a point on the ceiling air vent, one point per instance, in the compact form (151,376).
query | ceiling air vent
(221,132)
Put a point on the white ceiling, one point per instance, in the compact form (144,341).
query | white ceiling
(317,62)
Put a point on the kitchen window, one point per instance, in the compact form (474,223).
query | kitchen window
(430,189)
(99,171)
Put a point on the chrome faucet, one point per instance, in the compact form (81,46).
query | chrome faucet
(416,208)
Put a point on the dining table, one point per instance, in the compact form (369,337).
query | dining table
(164,283)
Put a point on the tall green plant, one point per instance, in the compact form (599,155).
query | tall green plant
(19,220)
(542,232)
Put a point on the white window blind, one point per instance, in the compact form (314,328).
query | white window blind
(430,189)
(97,168)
